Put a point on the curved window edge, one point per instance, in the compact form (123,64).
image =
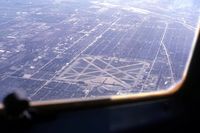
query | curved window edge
(116,100)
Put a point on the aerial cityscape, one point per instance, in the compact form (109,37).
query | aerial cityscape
(65,49)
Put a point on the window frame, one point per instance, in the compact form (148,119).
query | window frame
(176,89)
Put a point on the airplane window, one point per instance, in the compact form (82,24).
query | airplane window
(87,49)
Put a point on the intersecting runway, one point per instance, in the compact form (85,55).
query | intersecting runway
(104,70)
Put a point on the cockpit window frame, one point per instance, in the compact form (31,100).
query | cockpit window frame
(113,100)
(116,100)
